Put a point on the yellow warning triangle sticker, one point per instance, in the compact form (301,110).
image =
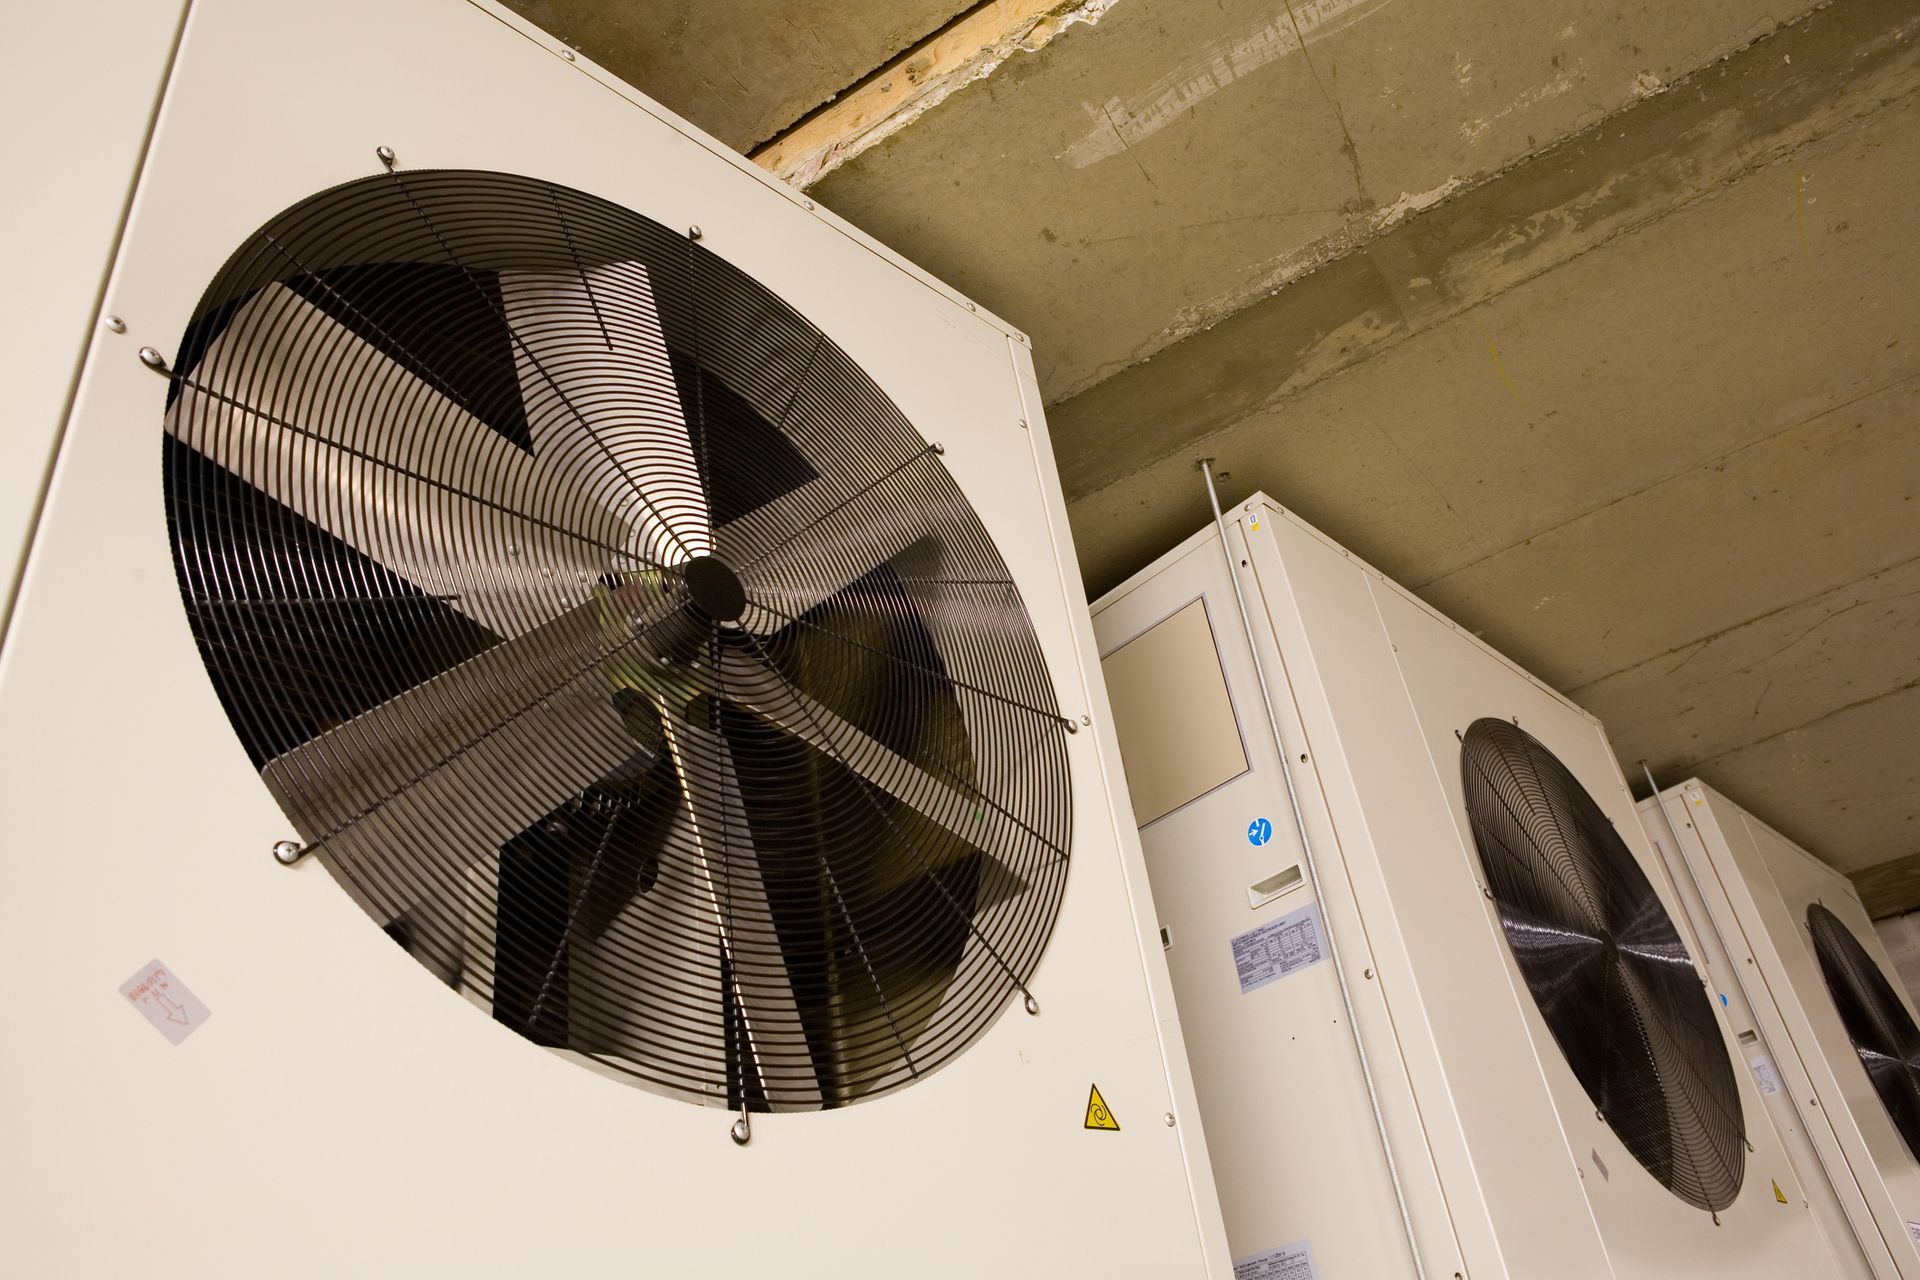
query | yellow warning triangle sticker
(1778,1194)
(1098,1114)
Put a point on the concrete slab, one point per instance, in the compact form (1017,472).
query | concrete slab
(1150,175)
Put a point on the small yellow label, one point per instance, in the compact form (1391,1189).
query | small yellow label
(1098,1115)
(1778,1194)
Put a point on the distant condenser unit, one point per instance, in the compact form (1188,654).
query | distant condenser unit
(1834,1043)
(549,726)
(1458,1029)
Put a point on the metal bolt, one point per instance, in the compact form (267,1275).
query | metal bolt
(937,447)
(385,154)
(288,852)
(1169,1119)
(741,1132)
(1073,726)
(116,325)
(1031,1005)
(1368,973)
(807,203)
(972,307)
(1023,424)
(568,54)
(153,360)
(693,233)
(1086,720)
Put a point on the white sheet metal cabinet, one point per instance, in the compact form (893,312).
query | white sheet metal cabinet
(1752,887)
(341,1112)
(1506,1169)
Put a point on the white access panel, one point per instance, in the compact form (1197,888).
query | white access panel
(1756,886)
(1505,1168)
(341,1112)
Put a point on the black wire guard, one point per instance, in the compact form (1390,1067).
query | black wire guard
(1604,964)
(1877,1022)
(615,640)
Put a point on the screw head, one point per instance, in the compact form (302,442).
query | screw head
(1169,1119)
(568,54)
(1073,726)
(1031,1005)
(288,852)
(741,1132)
(693,233)
(972,307)
(384,154)
(1086,720)
(153,360)
(116,325)
(807,203)
(938,448)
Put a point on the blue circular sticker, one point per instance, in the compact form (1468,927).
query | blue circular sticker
(1259,831)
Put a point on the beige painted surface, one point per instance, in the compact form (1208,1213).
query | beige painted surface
(1171,710)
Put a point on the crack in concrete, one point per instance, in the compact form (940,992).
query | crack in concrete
(1699,644)
(1346,145)
(1870,393)
(1692,766)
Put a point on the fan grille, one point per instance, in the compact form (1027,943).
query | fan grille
(615,640)
(1877,1022)
(1603,962)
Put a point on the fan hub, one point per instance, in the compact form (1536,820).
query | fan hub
(715,588)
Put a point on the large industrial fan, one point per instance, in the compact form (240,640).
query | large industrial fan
(530,625)
(1426,911)
(586,607)
(1604,964)
(1876,1019)
(1793,954)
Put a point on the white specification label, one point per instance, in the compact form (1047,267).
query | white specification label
(1913,1229)
(173,1010)
(1288,1262)
(1279,947)
(1764,1074)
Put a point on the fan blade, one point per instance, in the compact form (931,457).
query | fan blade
(606,413)
(384,461)
(753,685)
(801,549)
(775,1034)
(505,737)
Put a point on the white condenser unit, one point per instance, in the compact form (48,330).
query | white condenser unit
(548,722)
(1445,1022)
(1832,1039)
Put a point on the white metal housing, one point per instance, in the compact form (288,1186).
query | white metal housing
(1751,888)
(1506,1169)
(342,1113)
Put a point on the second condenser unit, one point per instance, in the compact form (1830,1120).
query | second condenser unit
(1444,1022)
(1835,1046)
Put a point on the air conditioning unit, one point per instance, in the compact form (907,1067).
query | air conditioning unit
(1832,1040)
(577,670)
(1445,1022)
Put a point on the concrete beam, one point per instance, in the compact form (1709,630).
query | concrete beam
(1716,127)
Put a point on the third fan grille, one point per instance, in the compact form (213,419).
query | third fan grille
(617,642)
(1604,964)
(1877,1022)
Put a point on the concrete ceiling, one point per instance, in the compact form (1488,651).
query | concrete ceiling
(1592,322)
